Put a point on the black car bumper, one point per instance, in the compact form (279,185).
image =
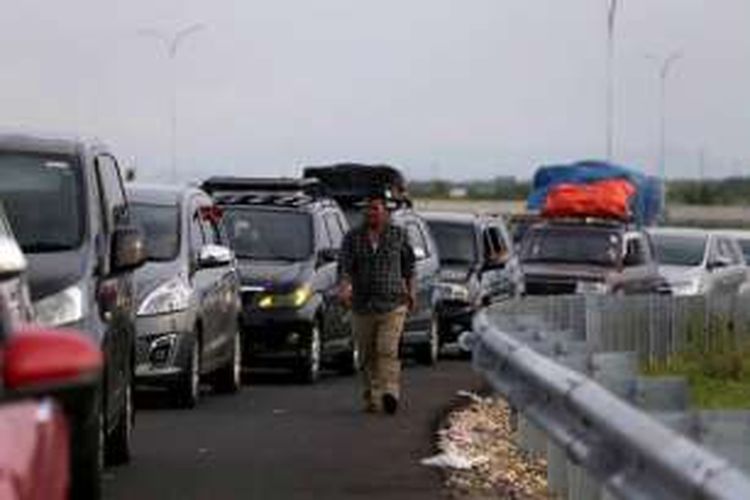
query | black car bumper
(276,337)
(454,318)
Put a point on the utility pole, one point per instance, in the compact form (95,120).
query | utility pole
(665,66)
(171,44)
(613,7)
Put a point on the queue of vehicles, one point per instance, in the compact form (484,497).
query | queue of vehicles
(178,286)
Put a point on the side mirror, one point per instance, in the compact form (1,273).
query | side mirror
(211,256)
(128,249)
(40,361)
(328,256)
(718,263)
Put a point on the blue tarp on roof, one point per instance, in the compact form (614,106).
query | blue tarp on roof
(647,202)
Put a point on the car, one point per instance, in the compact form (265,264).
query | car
(286,236)
(567,256)
(351,185)
(742,237)
(699,262)
(478,266)
(65,201)
(15,302)
(188,325)
(63,439)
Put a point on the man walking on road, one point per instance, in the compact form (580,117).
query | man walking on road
(376,273)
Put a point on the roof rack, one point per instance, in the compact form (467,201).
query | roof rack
(264,191)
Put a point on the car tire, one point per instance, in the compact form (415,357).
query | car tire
(118,444)
(350,361)
(309,371)
(187,391)
(427,353)
(228,379)
(86,419)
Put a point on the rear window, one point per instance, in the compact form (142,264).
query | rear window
(572,246)
(268,234)
(161,225)
(679,250)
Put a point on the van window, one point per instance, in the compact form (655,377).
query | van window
(418,241)
(333,227)
(112,190)
(43,201)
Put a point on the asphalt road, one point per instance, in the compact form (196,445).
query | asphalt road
(277,439)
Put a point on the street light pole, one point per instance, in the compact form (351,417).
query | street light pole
(665,66)
(612,9)
(172,45)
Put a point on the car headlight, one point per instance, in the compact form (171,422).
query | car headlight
(172,296)
(61,308)
(689,287)
(454,291)
(592,288)
(296,299)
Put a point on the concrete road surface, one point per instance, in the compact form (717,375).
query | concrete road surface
(280,440)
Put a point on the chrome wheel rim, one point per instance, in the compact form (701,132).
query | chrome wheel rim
(129,414)
(434,341)
(195,371)
(237,361)
(315,353)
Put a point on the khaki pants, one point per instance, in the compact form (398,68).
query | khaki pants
(378,337)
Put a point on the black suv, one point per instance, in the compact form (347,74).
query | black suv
(286,236)
(478,266)
(589,256)
(65,201)
(351,185)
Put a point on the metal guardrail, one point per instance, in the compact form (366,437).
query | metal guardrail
(627,451)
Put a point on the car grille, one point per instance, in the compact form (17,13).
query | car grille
(142,345)
(550,287)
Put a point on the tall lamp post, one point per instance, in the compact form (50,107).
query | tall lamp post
(612,9)
(666,64)
(171,43)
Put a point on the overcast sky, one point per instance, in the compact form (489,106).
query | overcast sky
(461,88)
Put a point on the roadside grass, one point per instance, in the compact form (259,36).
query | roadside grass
(717,367)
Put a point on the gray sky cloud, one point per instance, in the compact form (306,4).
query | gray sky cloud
(461,88)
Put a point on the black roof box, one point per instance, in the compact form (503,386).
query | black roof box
(353,182)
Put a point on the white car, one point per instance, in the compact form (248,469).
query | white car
(15,304)
(699,262)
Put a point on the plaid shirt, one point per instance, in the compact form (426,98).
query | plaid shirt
(377,273)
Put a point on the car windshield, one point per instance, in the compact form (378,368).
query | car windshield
(571,246)
(161,225)
(41,197)
(269,234)
(680,250)
(456,243)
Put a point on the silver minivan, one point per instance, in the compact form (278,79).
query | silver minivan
(699,262)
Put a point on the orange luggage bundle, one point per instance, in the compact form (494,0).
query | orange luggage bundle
(607,199)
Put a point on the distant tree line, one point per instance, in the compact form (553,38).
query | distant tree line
(729,191)
(499,188)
